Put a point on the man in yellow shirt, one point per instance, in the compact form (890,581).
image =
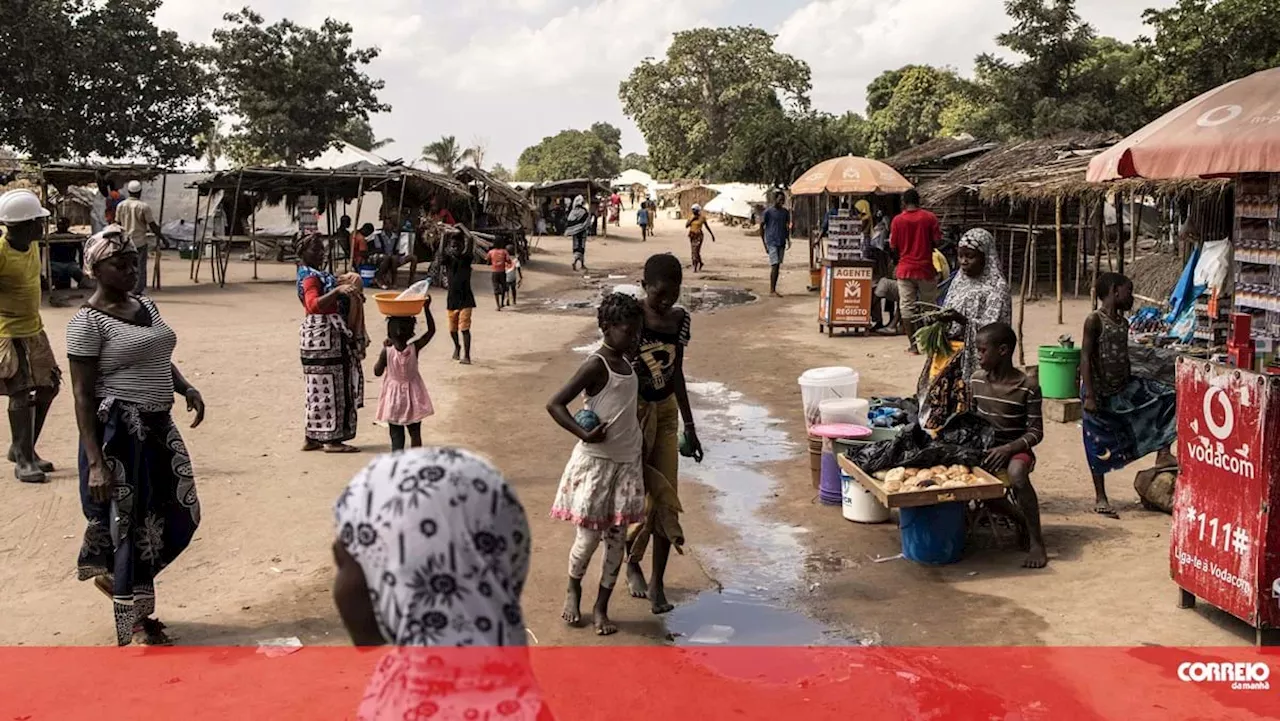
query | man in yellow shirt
(29,373)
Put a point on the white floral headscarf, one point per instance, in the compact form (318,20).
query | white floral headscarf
(444,545)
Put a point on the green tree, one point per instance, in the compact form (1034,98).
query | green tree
(291,88)
(776,147)
(913,111)
(609,135)
(636,161)
(1200,44)
(689,104)
(1029,94)
(89,78)
(500,172)
(359,133)
(568,154)
(445,154)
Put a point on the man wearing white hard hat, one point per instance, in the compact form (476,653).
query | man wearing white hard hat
(29,373)
(136,217)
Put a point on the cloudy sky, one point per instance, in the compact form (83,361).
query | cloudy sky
(510,72)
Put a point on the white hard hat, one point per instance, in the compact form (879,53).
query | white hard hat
(19,206)
(135,186)
(696,207)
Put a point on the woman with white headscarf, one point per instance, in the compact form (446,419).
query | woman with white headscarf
(577,225)
(137,489)
(432,551)
(978,296)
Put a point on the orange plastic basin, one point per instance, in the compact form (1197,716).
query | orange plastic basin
(388,305)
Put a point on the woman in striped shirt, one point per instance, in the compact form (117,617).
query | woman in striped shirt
(136,485)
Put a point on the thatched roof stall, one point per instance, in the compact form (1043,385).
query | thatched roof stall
(586,187)
(501,203)
(65,175)
(401,187)
(686,196)
(935,158)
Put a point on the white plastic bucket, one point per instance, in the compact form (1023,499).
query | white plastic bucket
(859,505)
(845,410)
(820,384)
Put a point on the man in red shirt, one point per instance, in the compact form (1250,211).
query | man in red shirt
(913,235)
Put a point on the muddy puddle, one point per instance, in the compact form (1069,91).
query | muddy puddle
(698,299)
(762,568)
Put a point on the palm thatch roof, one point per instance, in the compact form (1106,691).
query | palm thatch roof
(938,150)
(574,186)
(280,183)
(1059,157)
(508,194)
(65,175)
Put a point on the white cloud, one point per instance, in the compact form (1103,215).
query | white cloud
(515,71)
(847,43)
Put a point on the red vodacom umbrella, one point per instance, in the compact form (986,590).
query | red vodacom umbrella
(1234,128)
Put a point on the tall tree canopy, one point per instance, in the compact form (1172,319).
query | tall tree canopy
(776,147)
(569,154)
(911,110)
(445,154)
(689,104)
(1201,44)
(291,88)
(636,161)
(359,133)
(98,78)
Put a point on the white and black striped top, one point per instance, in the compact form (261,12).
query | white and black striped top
(133,359)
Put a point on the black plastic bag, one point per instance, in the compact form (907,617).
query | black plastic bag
(964,440)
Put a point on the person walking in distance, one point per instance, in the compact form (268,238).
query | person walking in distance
(775,229)
(137,218)
(913,235)
(459,254)
(29,372)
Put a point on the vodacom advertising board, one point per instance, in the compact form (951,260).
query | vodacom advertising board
(1227,447)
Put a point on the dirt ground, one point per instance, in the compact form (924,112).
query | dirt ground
(260,566)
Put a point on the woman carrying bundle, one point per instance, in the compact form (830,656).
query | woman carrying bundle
(979,296)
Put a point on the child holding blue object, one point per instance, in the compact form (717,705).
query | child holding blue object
(602,489)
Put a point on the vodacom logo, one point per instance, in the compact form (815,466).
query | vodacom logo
(1222,430)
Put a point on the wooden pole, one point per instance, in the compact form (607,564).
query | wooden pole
(1058,259)
(1081,251)
(355,224)
(1119,233)
(1135,224)
(1026,285)
(204,233)
(1101,229)
(155,266)
(195,228)
(222,257)
(400,229)
(253,235)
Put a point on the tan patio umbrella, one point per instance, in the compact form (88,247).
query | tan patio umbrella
(1234,128)
(850,175)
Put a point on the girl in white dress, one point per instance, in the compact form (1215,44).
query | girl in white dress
(602,489)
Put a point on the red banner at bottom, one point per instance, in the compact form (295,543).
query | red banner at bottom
(671,684)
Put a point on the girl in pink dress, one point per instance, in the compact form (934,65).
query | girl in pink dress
(404,401)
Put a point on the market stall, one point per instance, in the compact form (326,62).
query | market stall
(316,193)
(561,192)
(838,264)
(499,211)
(1225,549)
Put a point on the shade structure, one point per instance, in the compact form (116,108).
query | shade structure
(1234,128)
(850,175)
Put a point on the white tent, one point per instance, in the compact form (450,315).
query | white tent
(633,177)
(738,200)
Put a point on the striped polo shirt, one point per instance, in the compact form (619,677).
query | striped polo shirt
(133,359)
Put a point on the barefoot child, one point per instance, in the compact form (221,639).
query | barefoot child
(1010,401)
(697,226)
(602,489)
(498,259)
(1125,418)
(663,400)
(459,253)
(515,276)
(404,401)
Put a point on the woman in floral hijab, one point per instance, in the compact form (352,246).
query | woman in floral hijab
(432,551)
(978,296)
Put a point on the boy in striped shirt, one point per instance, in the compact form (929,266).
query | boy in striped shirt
(1010,401)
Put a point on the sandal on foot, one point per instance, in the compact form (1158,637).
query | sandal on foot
(341,448)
